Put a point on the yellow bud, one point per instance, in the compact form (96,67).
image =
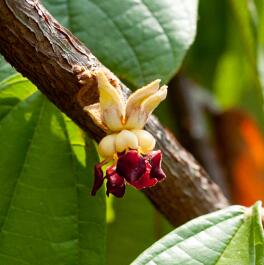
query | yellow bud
(126,139)
(107,146)
(145,140)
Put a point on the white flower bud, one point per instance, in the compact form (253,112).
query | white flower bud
(145,140)
(107,146)
(126,139)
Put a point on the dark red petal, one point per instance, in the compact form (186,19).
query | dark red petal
(131,166)
(115,184)
(155,158)
(145,181)
(98,178)
(110,170)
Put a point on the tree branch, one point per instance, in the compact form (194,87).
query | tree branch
(45,52)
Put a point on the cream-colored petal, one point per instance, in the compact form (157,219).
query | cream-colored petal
(94,111)
(111,103)
(138,116)
(125,140)
(136,98)
(146,141)
(153,101)
(107,147)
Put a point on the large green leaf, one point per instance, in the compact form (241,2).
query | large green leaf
(47,215)
(5,69)
(139,40)
(230,236)
(12,91)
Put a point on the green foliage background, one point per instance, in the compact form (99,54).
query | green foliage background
(45,207)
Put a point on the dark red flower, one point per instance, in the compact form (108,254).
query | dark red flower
(139,171)
(135,169)
(98,178)
(145,181)
(131,166)
(155,158)
(115,184)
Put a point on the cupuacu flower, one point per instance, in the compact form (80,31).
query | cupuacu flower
(127,148)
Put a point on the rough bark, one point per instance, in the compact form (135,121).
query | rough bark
(45,52)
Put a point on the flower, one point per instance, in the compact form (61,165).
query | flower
(127,147)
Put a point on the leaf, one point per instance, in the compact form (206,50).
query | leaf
(257,236)
(12,91)
(220,238)
(139,40)
(5,69)
(47,215)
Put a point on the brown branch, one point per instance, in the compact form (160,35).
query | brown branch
(45,52)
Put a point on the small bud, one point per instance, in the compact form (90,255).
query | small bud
(107,147)
(125,140)
(145,140)
(115,184)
